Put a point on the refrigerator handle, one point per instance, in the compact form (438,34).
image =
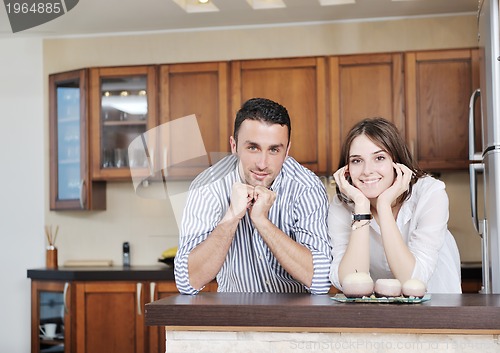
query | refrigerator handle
(473,155)
(486,288)
(474,168)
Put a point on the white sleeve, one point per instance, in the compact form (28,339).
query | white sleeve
(429,228)
(339,228)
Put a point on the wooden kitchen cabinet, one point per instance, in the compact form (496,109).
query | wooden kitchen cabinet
(96,113)
(299,84)
(71,186)
(51,302)
(438,86)
(123,105)
(110,317)
(157,335)
(363,86)
(98,316)
(199,89)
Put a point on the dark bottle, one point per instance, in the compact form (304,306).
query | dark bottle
(126,254)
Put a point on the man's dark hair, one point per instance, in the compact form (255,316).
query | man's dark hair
(264,110)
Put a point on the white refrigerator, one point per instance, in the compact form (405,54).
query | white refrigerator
(485,160)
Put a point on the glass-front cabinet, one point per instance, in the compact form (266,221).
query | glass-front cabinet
(70,183)
(51,317)
(123,107)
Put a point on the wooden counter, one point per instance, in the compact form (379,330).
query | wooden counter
(283,323)
(455,313)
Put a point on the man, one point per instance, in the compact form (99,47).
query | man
(256,220)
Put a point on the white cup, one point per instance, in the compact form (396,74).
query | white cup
(48,330)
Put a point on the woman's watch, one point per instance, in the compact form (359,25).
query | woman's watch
(361,217)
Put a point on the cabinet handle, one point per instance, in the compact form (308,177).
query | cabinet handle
(139,294)
(65,293)
(83,192)
(152,291)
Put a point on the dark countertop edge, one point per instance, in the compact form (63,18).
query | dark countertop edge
(111,273)
(475,313)
(339,329)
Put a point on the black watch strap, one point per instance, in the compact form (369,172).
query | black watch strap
(361,217)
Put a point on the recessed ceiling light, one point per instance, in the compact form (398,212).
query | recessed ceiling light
(336,2)
(192,6)
(266,4)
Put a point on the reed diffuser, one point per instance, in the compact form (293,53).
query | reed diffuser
(51,251)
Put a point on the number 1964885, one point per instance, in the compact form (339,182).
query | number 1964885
(41,7)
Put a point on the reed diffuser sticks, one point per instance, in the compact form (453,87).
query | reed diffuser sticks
(51,251)
(51,236)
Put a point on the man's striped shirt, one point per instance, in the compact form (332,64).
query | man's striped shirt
(300,211)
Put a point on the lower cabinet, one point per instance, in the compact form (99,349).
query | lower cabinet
(109,317)
(97,317)
(51,306)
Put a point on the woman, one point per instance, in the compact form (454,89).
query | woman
(390,217)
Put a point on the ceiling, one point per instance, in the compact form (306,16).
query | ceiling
(91,17)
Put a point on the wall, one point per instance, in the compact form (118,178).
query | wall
(149,225)
(22,180)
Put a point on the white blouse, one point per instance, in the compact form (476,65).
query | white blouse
(423,222)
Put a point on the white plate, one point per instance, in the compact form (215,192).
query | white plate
(391,300)
(56,337)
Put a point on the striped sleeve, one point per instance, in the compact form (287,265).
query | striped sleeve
(311,230)
(199,219)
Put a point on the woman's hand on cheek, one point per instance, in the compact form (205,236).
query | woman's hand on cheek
(398,187)
(347,188)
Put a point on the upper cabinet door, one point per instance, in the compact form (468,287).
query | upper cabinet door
(71,187)
(299,85)
(122,106)
(363,86)
(438,88)
(198,91)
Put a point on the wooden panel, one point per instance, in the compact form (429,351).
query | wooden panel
(439,85)
(363,86)
(297,84)
(157,335)
(199,89)
(109,319)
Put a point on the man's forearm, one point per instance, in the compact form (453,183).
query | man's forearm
(295,258)
(206,260)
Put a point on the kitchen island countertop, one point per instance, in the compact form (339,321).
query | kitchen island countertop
(455,313)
